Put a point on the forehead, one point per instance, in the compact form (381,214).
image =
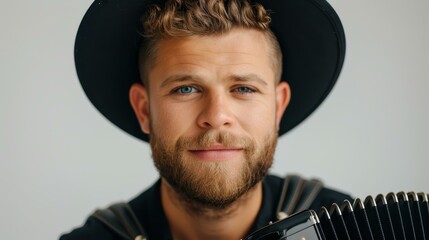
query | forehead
(239,39)
(243,49)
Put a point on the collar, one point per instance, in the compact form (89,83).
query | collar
(148,208)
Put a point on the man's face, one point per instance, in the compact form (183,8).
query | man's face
(213,111)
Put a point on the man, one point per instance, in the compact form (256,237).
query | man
(209,92)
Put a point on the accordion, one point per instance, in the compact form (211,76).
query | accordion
(394,216)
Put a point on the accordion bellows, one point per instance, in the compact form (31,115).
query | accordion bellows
(394,216)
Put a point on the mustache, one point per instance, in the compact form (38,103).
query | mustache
(210,138)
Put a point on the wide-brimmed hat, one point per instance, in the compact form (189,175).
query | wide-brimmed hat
(310,34)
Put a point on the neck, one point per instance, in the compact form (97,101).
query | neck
(191,221)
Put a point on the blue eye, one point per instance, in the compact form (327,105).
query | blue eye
(186,90)
(244,90)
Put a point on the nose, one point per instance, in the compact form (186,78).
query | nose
(216,112)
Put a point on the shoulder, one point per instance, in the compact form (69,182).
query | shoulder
(91,230)
(147,208)
(328,196)
(325,198)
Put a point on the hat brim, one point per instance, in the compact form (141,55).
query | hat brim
(310,34)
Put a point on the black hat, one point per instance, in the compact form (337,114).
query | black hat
(310,34)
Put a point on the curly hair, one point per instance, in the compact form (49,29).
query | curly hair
(184,18)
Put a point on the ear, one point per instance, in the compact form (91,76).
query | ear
(139,100)
(283,95)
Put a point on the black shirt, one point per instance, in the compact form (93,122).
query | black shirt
(148,209)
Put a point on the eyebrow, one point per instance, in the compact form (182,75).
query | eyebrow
(237,78)
(249,78)
(179,78)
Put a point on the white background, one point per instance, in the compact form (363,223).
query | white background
(60,158)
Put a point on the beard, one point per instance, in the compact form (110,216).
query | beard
(212,185)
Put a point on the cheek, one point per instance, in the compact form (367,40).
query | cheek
(171,121)
(258,119)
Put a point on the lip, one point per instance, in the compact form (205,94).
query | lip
(216,153)
(216,148)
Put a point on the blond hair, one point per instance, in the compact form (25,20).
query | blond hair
(184,18)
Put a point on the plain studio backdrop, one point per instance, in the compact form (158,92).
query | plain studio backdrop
(60,159)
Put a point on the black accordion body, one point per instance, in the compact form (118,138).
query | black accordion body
(394,216)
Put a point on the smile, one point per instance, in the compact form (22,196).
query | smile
(216,153)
